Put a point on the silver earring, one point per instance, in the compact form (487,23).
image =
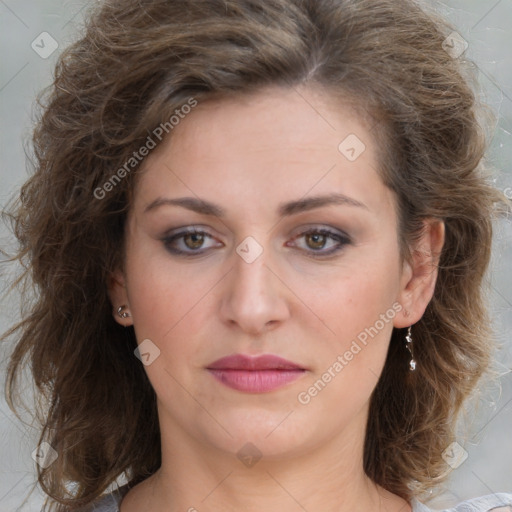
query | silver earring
(121,311)
(408,344)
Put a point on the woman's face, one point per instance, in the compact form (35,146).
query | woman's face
(295,254)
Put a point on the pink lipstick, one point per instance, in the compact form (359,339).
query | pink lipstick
(258,374)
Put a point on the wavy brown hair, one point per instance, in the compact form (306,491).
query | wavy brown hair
(140,60)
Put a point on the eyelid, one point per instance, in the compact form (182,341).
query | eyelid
(304,229)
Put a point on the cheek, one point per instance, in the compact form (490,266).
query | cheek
(169,308)
(163,299)
(355,305)
(353,297)
(359,309)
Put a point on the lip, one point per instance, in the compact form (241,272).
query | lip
(263,362)
(255,374)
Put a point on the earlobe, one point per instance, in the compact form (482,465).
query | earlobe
(420,275)
(123,312)
(116,287)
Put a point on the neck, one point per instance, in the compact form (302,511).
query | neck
(197,477)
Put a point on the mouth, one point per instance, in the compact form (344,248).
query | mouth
(259,374)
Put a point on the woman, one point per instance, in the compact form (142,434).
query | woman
(258,232)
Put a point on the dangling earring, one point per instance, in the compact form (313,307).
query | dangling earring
(408,344)
(121,311)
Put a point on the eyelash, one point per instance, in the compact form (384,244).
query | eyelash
(342,240)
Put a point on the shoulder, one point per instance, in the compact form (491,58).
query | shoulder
(107,503)
(499,502)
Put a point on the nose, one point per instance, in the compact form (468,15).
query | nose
(254,297)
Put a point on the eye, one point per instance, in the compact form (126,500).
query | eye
(321,242)
(189,241)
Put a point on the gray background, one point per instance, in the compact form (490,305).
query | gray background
(485,24)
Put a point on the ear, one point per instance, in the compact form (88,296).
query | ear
(116,287)
(419,277)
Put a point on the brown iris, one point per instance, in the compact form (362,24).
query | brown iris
(318,240)
(197,240)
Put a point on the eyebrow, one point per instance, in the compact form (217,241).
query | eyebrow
(284,210)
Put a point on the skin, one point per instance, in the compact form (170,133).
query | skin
(248,155)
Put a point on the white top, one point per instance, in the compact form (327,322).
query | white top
(500,502)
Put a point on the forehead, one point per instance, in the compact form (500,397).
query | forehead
(272,119)
(272,143)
